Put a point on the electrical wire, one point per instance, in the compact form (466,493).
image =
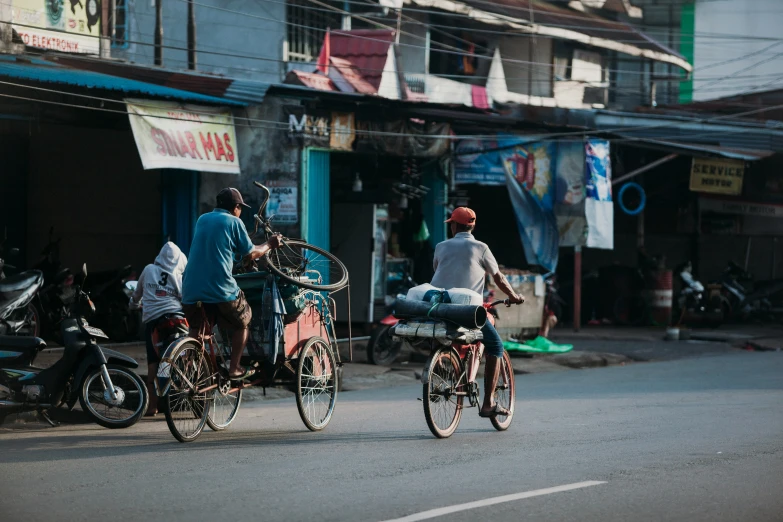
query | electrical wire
(277,125)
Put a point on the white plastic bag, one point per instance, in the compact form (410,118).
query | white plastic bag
(417,292)
(465,296)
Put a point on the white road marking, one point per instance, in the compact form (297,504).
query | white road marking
(439,512)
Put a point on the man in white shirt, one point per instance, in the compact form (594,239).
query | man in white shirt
(463,262)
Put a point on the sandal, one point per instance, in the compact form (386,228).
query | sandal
(242,376)
(494,412)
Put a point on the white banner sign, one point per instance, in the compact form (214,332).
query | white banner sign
(744,208)
(58,41)
(170,135)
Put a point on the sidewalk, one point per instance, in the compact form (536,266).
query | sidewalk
(736,335)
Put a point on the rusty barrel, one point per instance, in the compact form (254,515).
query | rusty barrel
(661,295)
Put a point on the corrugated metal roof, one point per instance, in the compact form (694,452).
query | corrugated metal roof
(704,131)
(367,50)
(310,80)
(544,13)
(352,75)
(710,150)
(537,17)
(47,72)
(248,91)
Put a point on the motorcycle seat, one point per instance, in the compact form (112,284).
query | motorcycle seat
(19,282)
(21,342)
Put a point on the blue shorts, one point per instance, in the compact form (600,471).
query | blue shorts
(493,344)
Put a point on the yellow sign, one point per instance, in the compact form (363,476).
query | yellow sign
(174,136)
(717,176)
(71,26)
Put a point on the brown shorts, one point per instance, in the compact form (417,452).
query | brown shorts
(231,315)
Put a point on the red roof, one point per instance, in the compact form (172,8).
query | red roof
(366,49)
(311,80)
(352,75)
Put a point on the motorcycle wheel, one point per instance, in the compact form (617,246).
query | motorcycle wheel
(382,350)
(32,327)
(114,416)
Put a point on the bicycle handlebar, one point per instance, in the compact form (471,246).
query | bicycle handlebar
(504,302)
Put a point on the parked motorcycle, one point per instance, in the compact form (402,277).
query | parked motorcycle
(110,293)
(102,380)
(55,298)
(694,302)
(383,348)
(744,300)
(18,316)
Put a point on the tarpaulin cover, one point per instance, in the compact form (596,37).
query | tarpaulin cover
(537,226)
(537,345)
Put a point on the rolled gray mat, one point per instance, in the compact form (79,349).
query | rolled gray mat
(467,316)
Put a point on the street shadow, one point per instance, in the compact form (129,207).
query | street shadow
(111,444)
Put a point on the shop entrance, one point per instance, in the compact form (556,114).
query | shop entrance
(380,235)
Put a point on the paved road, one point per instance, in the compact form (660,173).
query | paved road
(693,439)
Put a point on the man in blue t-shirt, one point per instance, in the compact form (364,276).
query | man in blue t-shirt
(208,287)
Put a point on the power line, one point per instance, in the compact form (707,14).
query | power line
(277,125)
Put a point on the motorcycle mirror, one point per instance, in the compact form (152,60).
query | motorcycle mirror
(84,269)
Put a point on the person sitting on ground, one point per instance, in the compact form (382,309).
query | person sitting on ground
(159,290)
(463,262)
(209,290)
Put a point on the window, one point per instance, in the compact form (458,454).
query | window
(562,71)
(307,25)
(119,25)
(459,56)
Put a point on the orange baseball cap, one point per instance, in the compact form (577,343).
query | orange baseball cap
(463,216)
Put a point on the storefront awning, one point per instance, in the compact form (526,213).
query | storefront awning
(693,149)
(36,70)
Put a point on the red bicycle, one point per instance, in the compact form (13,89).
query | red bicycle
(450,373)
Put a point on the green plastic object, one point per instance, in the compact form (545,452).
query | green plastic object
(537,345)
(423,234)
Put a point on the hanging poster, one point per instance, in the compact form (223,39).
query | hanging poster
(599,209)
(570,193)
(283,207)
(480,161)
(536,225)
(171,135)
(599,170)
(57,25)
(486,162)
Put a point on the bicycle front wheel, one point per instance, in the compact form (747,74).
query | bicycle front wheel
(307,266)
(442,405)
(187,409)
(316,384)
(225,403)
(505,393)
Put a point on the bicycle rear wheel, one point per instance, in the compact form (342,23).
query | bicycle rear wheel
(307,266)
(505,393)
(442,406)
(187,410)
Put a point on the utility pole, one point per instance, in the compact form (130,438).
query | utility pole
(191,36)
(159,32)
